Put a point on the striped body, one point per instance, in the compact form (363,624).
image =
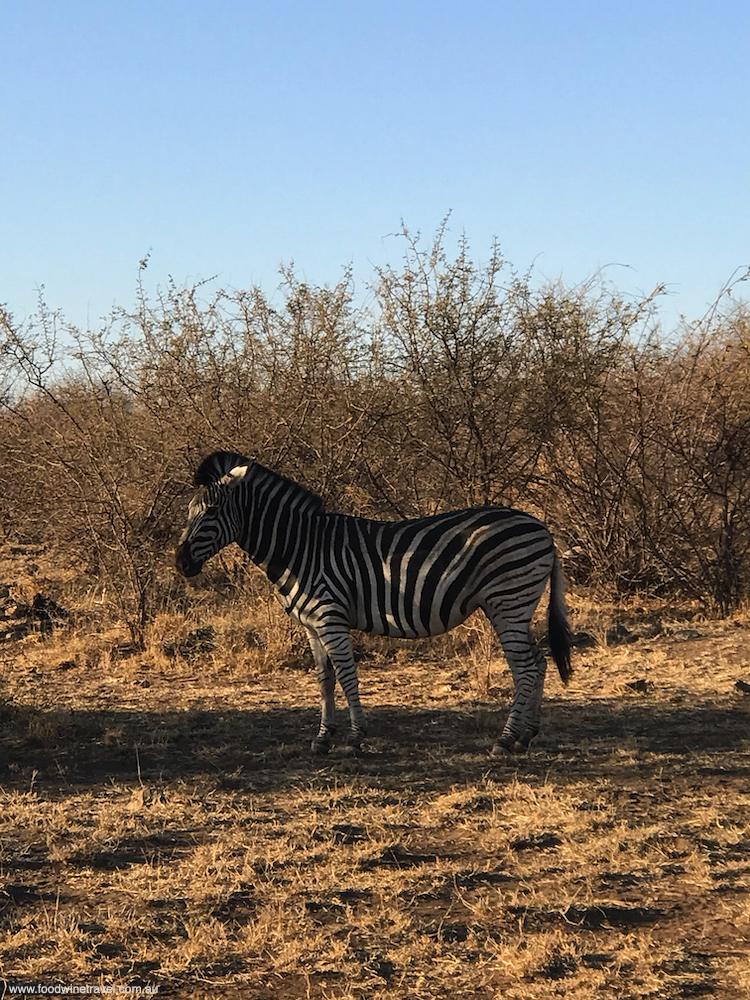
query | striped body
(406,579)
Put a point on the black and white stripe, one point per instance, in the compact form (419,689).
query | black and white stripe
(400,578)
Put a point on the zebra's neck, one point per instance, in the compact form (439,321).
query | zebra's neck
(280,520)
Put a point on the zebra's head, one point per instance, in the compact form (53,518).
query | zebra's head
(214,513)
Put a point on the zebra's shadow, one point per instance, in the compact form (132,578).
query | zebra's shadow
(269,749)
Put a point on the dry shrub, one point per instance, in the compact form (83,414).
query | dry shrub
(463,384)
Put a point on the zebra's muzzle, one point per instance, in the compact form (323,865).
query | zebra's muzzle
(185,564)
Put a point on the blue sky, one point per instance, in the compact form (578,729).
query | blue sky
(227,138)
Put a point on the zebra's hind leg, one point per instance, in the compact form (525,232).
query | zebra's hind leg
(533,723)
(327,683)
(528,667)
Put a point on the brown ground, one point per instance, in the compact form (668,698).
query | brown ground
(162,823)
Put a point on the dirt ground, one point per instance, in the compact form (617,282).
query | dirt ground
(163,824)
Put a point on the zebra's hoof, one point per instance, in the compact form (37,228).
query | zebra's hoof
(502,751)
(320,747)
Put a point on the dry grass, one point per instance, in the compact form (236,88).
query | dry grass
(162,821)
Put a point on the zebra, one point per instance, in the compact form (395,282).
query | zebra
(412,578)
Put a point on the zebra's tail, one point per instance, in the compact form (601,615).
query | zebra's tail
(558,630)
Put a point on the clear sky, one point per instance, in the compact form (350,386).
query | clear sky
(229,137)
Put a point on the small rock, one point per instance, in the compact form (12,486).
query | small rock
(641,686)
(583,640)
(619,635)
(536,841)
(685,634)
(110,949)
(383,967)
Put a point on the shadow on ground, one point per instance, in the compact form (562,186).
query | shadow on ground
(268,749)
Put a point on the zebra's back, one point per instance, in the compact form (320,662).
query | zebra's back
(424,576)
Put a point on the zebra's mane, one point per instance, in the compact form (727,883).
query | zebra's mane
(304,499)
(216,466)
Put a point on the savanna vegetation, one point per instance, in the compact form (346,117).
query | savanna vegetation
(161,820)
(459,383)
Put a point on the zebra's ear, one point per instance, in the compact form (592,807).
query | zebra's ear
(234,476)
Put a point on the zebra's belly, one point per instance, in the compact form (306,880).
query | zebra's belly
(415,625)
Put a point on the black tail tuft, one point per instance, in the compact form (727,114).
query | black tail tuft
(558,630)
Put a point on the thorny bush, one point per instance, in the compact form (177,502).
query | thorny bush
(462,384)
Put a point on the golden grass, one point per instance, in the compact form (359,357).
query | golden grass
(162,821)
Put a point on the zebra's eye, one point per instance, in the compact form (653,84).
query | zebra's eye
(211,510)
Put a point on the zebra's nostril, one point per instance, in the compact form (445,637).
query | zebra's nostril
(185,564)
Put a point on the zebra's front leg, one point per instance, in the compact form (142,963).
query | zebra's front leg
(338,645)
(327,683)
